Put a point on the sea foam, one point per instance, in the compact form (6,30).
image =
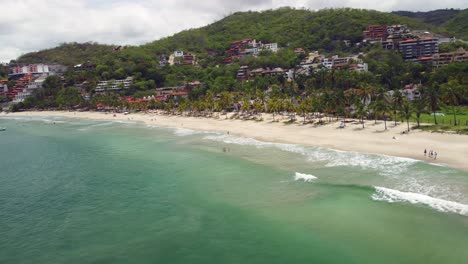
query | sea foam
(385,165)
(304,177)
(394,196)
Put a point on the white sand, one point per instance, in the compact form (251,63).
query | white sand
(452,149)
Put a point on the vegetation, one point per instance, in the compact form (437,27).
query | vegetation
(68,54)
(325,94)
(435,17)
(459,24)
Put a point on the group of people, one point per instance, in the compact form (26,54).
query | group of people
(432,154)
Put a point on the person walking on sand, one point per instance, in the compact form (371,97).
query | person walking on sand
(425,152)
(435,155)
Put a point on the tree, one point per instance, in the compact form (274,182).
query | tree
(52,85)
(452,92)
(380,106)
(419,107)
(406,112)
(397,100)
(432,93)
(273,106)
(360,110)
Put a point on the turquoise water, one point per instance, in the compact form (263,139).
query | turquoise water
(102,192)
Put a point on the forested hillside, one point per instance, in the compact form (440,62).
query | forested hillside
(435,17)
(68,53)
(459,24)
(321,30)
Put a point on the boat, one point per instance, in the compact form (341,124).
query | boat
(2,129)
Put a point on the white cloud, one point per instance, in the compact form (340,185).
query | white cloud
(29,25)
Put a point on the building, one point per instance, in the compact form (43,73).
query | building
(413,49)
(188,59)
(247,47)
(114,85)
(58,69)
(243,73)
(84,66)
(443,59)
(411,92)
(299,51)
(30,88)
(19,86)
(178,53)
(375,33)
(31,69)
(388,44)
(3,86)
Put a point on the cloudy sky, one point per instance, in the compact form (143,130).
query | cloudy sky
(30,25)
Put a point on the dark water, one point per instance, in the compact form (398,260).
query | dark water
(100,192)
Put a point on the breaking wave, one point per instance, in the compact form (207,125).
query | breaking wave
(395,196)
(385,165)
(304,177)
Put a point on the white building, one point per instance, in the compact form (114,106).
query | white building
(3,88)
(30,88)
(114,85)
(411,92)
(31,68)
(178,53)
(271,46)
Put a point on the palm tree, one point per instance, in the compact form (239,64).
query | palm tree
(406,111)
(360,110)
(451,93)
(419,106)
(433,96)
(258,106)
(225,101)
(273,106)
(303,108)
(245,104)
(397,100)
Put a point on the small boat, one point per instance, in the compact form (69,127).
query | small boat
(2,129)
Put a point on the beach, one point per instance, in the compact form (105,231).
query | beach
(78,188)
(452,149)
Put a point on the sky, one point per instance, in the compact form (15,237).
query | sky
(31,25)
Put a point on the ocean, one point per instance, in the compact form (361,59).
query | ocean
(80,191)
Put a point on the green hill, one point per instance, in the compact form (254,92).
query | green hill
(435,17)
(68,53)
(314,30)
(325,29)
(459,25)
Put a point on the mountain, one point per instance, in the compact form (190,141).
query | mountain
(68,53)
(435,17)
(325,29)
(322,30)
(453,21)
(459,24)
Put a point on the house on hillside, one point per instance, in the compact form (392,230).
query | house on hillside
(442,59)
(414,49)
(114,85)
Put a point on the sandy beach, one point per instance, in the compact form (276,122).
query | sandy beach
(452,149)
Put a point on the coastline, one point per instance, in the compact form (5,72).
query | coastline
(452,149)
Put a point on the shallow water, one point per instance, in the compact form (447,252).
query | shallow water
(103,192)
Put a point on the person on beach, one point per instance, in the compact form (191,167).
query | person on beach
(435,155)
(425,152)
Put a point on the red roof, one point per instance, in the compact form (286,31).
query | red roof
(425,58)
(179,93)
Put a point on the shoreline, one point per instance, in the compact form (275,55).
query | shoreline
(452,149)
